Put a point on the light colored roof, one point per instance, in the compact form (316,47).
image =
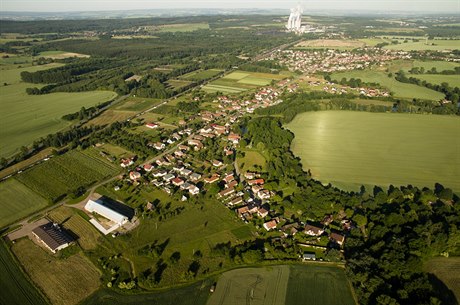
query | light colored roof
(101,209)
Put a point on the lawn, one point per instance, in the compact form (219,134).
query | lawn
(318,284)
(349,149)
(64,281)
(448,271)
(239,81)
(402,90)
(255,286)
(62,175)
(29,117)
(16,287)
(17,201)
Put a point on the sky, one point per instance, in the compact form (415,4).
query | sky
(383,6)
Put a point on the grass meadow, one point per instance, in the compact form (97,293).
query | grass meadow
(350,149)
(62,175)
(17,201)
(240,81)
(452,80)
(402,90)
(28,117)
(253,160)
(200,75)
(16,287)
(64,281)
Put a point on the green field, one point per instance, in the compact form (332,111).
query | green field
(183,27)
(435,45)
(137,104)
(240,81)
(196,294)
(399,89)
(177,83)
(28,117)
(448,271)
(200,75)
(16,289)
(64,174)
(349,149)
(252,161)
(64,281)
(17,201)
(289,285)
(452,80)
(438,64)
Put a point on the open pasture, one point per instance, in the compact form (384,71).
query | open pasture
(62,175)
(29,117)
(318,284)
(448,271)
(64,281)
(349,149)
(438,64)
(17,201)
(239,81)
(255,286)
(421,45)
(402,90)
(16,287)
(452,80)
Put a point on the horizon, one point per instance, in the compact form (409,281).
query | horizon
(82,6)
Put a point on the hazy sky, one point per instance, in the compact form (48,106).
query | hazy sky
(451,6)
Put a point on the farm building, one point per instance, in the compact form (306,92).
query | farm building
(117,214)
(53,236)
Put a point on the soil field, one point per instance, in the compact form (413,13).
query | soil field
(17,201)
(16,287)
(349,149)
(50,273)
(330,43)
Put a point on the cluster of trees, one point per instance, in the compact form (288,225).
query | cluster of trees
(352,82)
(433,70)
(191,107)
(85,113)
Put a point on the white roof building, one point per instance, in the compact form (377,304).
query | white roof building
(101,209)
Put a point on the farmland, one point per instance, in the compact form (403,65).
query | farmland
(447,270)
(137,104)
(283,285)
(349,149)
(435,45)
(61,55)
(16,287)
(320,284)
(17,201)
(65,174)
(399,89)
(44,112)
(81,278)
(200,75)
(452,80)
(331,44)
(240,81)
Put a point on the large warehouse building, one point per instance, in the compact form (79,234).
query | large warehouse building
(107,211)
(53,236)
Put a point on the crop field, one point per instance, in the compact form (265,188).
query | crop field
(196,294)
(17,201)
(255,286)
(177,83)
(137,104)
(87,235)
(240,81)
(44,112)
(111,116)
(23,164)
(452,80)
(200,75)
(60,175)
(16,287)
(61,55)
(182,27)
(330,43)
(50,273)
(444,269)
(349,149)
(318,284)
(399,89)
